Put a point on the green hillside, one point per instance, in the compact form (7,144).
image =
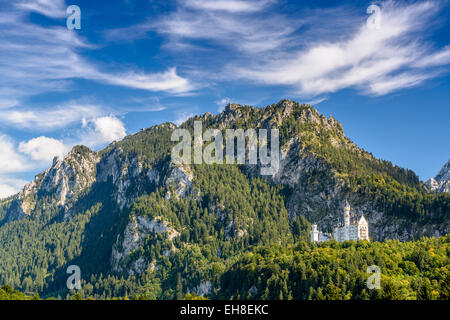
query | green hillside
(142,227)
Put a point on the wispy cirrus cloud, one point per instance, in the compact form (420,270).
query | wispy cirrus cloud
(168,81)
(49,119)
(438,58)
(241,25)
(261,45)
(6,103)
(36,59)
(375,61)
(235,6)
(49,8)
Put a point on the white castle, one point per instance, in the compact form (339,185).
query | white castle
(350,229)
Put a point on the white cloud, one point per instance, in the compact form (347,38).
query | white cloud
(221,104)
(43,148)
(314,52)
(240,25)
(388,84)
(49,119)
(257,42)
(99,131)
(49,8)
(10,160)
(168,81)
(249,33)
(36,59)
(8,103)
(436,59)
(182,117)
(316,101)
(40,151)
(226,5)
(377,61)
(9,186)
(110,128)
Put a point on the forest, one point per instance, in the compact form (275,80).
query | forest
(236,234)
(416,270)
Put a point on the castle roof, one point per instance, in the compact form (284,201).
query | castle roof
(363,219)
(355,219)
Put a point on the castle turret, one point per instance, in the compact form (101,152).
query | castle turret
(314,233)
(363,229)
(356,230)
(347,214)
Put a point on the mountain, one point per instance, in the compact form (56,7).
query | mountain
(441,183)
(137,222)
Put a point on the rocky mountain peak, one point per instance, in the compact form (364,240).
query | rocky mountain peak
(66,179)
(149,209)
(441,183)
(275,115)
(444,174)
(231,106)
(80,150)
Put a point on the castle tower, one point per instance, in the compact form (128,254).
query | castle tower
(356,230)
(347,214)
(314,233)
(363,229)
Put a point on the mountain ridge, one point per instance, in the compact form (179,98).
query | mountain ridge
(128,210)
(303,146)
(441,183)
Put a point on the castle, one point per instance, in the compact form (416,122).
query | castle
(351,229)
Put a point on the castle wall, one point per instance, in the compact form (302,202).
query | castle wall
(356,231)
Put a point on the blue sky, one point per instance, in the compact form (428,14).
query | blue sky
(133,64)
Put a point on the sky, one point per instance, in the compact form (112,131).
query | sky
(380,68)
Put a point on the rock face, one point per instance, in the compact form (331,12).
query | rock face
(136,231)
(323,203)
(180,177)
(441,183)
(203,289)
(65,181)
(124,171)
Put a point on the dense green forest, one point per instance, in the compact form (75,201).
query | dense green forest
(272,259)
(8,293)
(330,271)
(235,236)
(410,270)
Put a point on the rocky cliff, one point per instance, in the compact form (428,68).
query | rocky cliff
(441,183)
(58,186)
(147,202)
